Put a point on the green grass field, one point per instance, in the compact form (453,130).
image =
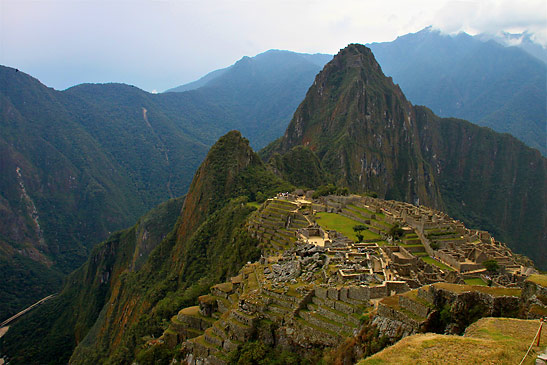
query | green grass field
(254,204)
(343,225)
(475,281)
(439,264)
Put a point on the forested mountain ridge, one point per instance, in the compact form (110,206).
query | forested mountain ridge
(128,301)
(370,138)
(466,77)
(93,158)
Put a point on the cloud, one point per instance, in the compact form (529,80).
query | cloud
(494,17)
(162,44)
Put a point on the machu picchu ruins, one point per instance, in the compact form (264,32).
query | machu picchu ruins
(314,283)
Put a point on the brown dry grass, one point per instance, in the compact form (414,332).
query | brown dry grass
(487,341)
(495,291)
(190,311)
(538,279)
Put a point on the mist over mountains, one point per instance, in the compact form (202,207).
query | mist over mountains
(461,76)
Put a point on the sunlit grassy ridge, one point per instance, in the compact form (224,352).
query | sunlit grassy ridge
(487,341)
(538,279)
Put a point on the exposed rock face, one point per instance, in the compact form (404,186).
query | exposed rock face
(358,123)
(370,138)
(443,308)
(534,297)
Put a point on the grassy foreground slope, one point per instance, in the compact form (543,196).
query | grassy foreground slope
(487,341)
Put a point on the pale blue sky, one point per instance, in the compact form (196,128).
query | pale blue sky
(158,44)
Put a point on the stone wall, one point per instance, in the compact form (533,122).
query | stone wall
(414,306)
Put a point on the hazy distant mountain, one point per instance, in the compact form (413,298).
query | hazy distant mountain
(520,40)
(272,58)
(261,93)
(503,88)
(199,83)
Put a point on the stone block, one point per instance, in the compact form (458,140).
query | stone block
(321,292)
(344,294)
(361,293)
(333,293)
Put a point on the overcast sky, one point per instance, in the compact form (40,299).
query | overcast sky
(159,44)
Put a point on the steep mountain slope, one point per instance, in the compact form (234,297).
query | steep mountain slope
(52,331)
(261,93)
(370,138)
(87,161)
(460,76)
(76,166)
(136,298)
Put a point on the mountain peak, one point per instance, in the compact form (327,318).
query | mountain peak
(370,138)
(215,177)
(353,82)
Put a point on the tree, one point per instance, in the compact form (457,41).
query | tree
(491,265)
(358,229)
(396,231)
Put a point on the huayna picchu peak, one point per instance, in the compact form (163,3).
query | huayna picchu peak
(372,220)
(368,137)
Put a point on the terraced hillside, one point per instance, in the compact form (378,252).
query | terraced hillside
(316,283)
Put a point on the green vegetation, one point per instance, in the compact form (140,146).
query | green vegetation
(343,225)
(439,264)
(255,205)
(23,280)
(329,189)
(358,229)
(538,279)
(491,265)
(51,330)
(95,157)
(396,231)
(300,166)
(179,262)
(475,281)
(519,111)
(261,354)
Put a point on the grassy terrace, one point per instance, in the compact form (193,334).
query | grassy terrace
(475,281)
(344,225)
(495,291)
(487,341)
(538,279)
(361,210)
(254,204)
(439,264)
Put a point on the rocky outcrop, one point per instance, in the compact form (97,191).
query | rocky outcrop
(534,297)
(444,308)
